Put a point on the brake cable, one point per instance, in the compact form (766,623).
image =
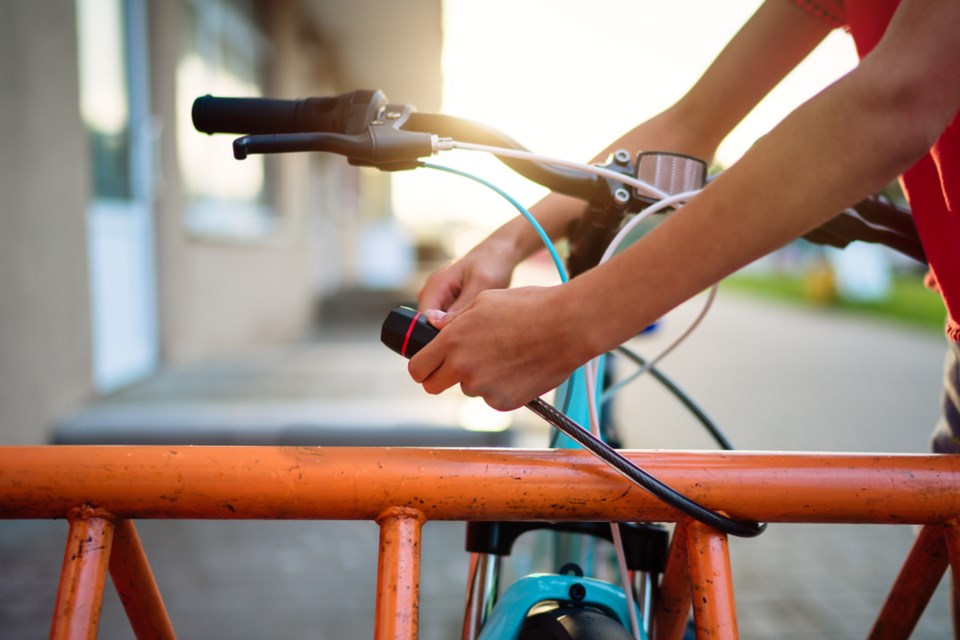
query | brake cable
(626,468)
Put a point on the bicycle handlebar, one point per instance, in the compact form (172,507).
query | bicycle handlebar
(365,128)
(369,131)
(568,181)
(349,113)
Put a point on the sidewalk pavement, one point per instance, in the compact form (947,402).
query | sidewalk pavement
(775,378)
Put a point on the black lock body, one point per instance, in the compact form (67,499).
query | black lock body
(406,331)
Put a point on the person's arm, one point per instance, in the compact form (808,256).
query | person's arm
(846,143)
(775,39)
(511,346)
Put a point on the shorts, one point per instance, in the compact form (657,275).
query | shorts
(946,435)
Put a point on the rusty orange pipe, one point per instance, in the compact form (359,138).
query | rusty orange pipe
(398,575)
(711,580)
(478,484)
(83,576)
(674,598)
(951,537)
(913,587)
(136,586)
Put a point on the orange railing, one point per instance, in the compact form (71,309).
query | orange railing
(102,489)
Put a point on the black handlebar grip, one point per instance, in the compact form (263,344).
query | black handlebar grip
(406,331)
(349,113)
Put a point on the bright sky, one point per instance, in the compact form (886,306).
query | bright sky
(565,77)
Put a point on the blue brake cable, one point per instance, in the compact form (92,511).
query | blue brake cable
(557,262)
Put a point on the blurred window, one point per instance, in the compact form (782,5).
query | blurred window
(105,94)
(114,107)
(222,55)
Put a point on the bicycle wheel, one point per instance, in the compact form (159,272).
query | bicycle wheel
(572,623)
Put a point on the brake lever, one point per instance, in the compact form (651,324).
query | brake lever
(339,143)
(877,221)
(383,144)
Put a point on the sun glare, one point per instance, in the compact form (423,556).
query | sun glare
(565,77)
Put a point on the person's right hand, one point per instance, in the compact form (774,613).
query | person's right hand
(489,265)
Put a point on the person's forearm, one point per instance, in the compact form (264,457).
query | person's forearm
(842,145)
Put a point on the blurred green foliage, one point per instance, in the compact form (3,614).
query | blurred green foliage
(909,302)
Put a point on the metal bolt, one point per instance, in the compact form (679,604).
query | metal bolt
(577,592)
(621,156)
(393,115)
(621,196)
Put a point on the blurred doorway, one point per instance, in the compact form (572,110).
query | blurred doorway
(114,104)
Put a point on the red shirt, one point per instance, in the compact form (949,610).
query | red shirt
(932,185)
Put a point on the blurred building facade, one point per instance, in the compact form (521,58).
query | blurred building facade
(129,241)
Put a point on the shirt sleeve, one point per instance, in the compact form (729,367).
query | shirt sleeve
(829,11)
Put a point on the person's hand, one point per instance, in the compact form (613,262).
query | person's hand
(489,265)
(507,346)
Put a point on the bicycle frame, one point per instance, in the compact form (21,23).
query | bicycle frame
(101,489)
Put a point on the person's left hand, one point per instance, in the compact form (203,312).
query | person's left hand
(507,346)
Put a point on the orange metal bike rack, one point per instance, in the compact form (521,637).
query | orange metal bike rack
(100,490)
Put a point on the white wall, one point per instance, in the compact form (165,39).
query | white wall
(45,358)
